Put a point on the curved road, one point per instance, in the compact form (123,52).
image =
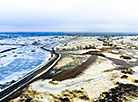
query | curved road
(8,92)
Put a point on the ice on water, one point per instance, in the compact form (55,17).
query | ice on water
(20,61)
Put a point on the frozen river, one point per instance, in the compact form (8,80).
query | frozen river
(17,60)
(17,63)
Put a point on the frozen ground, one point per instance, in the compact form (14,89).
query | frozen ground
(20,55)
(110,74)
(18,62)
(47,41)
(2,47)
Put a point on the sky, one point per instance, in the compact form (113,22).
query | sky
(69,15)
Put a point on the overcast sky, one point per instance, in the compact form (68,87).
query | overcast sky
(69,15)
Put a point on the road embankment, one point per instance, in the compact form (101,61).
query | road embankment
(9,92)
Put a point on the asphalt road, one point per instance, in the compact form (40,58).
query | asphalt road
(7,93)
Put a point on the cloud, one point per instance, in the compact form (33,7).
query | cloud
(69,15)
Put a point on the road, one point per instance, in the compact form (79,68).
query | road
(7,93)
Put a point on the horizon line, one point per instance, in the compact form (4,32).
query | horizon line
(62,32)
(69,31)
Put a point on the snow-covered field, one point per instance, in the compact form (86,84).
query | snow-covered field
(3,47)
(16,63)
(20,55)
(48,41)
